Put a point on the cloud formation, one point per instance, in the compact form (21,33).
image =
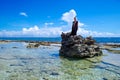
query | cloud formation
(49,24)
(85,32)
(48,31)
(68,16)
(23,14)
(35,31)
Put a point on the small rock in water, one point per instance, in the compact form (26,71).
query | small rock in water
(2,47)
(54,73)
(45,79)
(8,71)
(33,45)
(37,44)
(45,71)
(14,47)
(24,62)
(105,79)
(16,65)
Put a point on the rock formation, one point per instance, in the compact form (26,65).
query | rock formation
(78,47)
(37,44)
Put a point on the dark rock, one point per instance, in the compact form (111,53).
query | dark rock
(2,47)
(33,45)
(54,73)
(114,51)
(77,46)
(37,44)
(27,70)
(8,72)
(112,45)
(14,47)
(89,40)
(44,71)
(25,62)
(44,43)
(45,79)
(22,58)
(105,79)
(16,65)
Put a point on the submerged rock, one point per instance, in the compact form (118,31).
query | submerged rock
(114,51)
(111,45)
(78,47)
(33,45)
(14,47)
(37,44)
(54,73)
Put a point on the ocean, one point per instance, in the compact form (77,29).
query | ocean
(58,39)
(44,63)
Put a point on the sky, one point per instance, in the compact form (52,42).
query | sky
(49,18)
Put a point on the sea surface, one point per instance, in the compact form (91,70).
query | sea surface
(44,63)
(58,39)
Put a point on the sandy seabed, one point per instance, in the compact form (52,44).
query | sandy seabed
(44,63)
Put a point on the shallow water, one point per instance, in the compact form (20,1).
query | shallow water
(20,63)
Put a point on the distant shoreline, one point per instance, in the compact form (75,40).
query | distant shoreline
(50,42)
(58,39)
(27,41)
(36,44)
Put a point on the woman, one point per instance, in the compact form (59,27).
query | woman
(74,27)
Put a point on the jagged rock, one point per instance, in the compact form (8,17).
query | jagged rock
(33,45)
(37,44)
(77,46)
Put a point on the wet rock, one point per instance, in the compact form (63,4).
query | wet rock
(54,73)
(33,45)
(105,79)
(25,58)
(37,44)
(27,70)
(114,51)
(44,71)
(25,62)
(2,47)
(4,41)
(112,45)
(14,47)
(45,43)
(45,79)
(8,72)
(16,65)
(78,47)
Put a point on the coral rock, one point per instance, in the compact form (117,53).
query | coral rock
(78,47)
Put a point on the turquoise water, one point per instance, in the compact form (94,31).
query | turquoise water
(44,63)
(58,39)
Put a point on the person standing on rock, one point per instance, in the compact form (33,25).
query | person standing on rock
(74,27)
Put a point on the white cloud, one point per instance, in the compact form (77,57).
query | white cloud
(48,24)
(68,16)
(42,32)
(34,31)
(85,32)
(5,33)
(23,14)
(48,31)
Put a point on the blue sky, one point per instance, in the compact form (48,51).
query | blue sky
(48,18)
